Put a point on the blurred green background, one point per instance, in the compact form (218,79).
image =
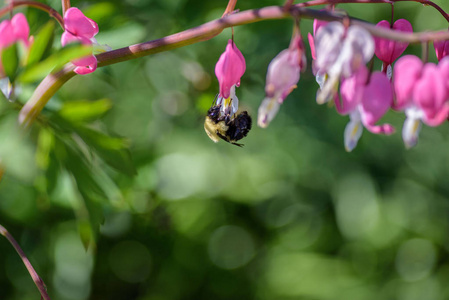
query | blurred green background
(289,216)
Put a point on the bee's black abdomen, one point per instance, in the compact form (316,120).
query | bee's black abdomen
(239,127)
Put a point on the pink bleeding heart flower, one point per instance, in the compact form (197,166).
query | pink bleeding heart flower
(282,76)
(15,30)
(422,92)
(376,101)
(441,49)
(365,103)
(81,29)
(430,94)
(229,69)
(407,72)
(340,52)
(387,50)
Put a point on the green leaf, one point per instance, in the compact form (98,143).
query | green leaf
(10,61)
(113,150)
(45,143)
(84,111)
(55,62)
(42,43)
(90,189)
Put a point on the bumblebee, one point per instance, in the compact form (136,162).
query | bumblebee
(227,127)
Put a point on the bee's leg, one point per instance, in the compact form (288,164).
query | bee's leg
(237,144)
(224,138)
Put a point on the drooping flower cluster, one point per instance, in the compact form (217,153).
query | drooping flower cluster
(340,55)
(81,29)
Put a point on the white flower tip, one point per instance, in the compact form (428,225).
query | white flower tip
(353,132)
(410,132)
(267,111)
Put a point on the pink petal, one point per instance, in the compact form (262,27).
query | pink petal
(229,69)
(85,65)
(20,28)
(443,65)
(387,50)
(67,38)
(351,91)
(78,24)
(406,73)
(377,99)
(441,49)
(7,37)
(282,74)
(317,24)
(430,94)
(312,45)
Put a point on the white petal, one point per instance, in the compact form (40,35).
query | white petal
(412,127)
(234,101)
(328,90)
(229,105)
(321,78)
(353,131)
(267,111)
(362,41)
(389,72)
(5,87)
(328,42)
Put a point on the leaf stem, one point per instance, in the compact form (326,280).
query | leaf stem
(53,13)
(37,280)
(230,8)
(65,6)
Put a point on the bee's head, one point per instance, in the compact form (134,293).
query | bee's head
(214,112)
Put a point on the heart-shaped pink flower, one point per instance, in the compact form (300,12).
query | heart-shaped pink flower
(387,50)
(430,95)
(407,72)
(376,101)
(229,69)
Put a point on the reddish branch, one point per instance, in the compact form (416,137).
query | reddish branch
(37,280)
